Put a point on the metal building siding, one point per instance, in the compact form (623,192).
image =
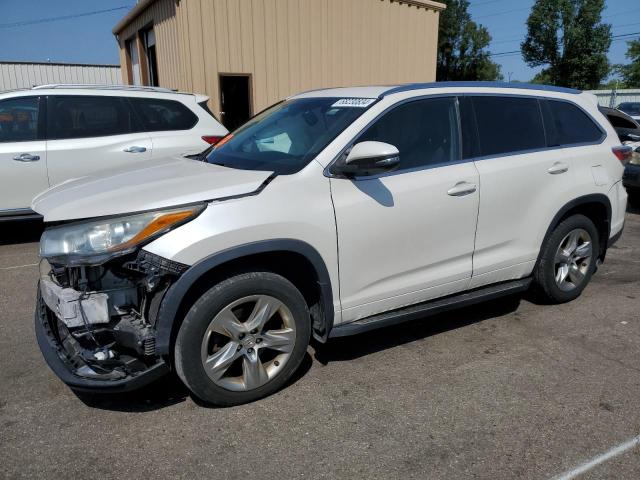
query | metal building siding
(25,75)
(289,45)
(162,14)
(613,98)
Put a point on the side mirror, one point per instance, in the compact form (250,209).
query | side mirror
(369,158)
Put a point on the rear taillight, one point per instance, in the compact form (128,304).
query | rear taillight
(623,153)
(212,139)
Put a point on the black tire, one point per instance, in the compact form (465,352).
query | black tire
(545,285)
(187,352)
(634,196)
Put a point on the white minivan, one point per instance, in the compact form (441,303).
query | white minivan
(332,213)
(52,133)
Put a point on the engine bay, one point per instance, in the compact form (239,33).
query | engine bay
(103,317)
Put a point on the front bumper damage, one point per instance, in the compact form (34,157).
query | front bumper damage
(95,325)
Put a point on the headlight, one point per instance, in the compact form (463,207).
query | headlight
(97,241)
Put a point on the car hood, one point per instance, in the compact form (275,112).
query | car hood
(149,185)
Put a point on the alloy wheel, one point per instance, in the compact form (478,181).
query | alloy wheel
(573,259)
(248,342)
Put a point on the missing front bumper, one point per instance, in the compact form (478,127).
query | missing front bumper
(67,368)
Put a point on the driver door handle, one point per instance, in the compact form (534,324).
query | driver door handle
(135,149)
(26,157)
(461,189)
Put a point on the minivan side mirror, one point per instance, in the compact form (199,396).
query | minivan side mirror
(369,158)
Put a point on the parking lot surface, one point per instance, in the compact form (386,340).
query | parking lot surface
(507,389)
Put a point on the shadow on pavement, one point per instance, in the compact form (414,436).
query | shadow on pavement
(162,393)
(170,390)
(21,231)
(349,348)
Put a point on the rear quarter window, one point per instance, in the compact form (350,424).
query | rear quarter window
(206,108)
(161,115)
(568,124)
(508,124)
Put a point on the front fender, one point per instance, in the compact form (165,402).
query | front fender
(172,301)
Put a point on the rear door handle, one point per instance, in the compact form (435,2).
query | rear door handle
(26,157)
(558,167)
(135,149)
(461,189)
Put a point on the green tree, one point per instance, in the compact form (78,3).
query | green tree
(631,73)
(462,46)
(569,38)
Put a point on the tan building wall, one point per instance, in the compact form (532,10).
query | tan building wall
(286,45)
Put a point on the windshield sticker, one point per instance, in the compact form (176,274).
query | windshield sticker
(354,102)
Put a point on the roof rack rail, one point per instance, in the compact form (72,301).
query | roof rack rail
(105,87)
(515,85)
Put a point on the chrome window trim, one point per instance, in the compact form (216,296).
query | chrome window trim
(327,170)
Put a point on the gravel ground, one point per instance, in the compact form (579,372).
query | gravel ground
(508,389)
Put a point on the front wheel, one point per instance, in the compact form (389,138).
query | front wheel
(243,339)
(568,260)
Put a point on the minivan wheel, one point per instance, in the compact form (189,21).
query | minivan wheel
(243,339)
(568,260)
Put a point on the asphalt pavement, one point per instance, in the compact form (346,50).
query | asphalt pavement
(508,389)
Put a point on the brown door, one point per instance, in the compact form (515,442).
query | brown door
(235,100)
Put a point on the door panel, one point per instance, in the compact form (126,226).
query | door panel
(73,158)
(22,180)
(523,185)
(408,236)
(23,157)
(400,236)
(519,192)
(88,134)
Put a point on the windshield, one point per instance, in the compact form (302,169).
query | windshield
(287,136)
(630,108)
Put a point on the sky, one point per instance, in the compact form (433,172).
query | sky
(88,39)
(506,22)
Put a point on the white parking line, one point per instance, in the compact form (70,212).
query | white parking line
(588,465)
(19,266)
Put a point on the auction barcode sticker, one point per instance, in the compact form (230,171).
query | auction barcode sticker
(354,102)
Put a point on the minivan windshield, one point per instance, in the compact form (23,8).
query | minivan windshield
(287,136)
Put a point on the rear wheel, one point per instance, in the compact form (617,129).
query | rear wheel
(568,260)
(243,339)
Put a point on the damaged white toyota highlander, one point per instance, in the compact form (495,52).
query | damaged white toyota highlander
(329,214)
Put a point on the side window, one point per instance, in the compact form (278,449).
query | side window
(87,116)
(619,122)
(508,124)
(160,115)
(19,119)
(567,124)
(424,131)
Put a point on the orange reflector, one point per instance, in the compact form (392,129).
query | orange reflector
(156,225)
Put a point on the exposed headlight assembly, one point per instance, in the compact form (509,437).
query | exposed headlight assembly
(94,242)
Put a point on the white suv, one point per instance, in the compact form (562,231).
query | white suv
(51,133)
(329,214)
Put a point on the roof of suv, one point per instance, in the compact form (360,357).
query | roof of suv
(134,90)
(384,90)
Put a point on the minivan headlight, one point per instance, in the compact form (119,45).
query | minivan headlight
(99,240)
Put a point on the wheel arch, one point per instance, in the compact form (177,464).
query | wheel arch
(596,207)
(275,254)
